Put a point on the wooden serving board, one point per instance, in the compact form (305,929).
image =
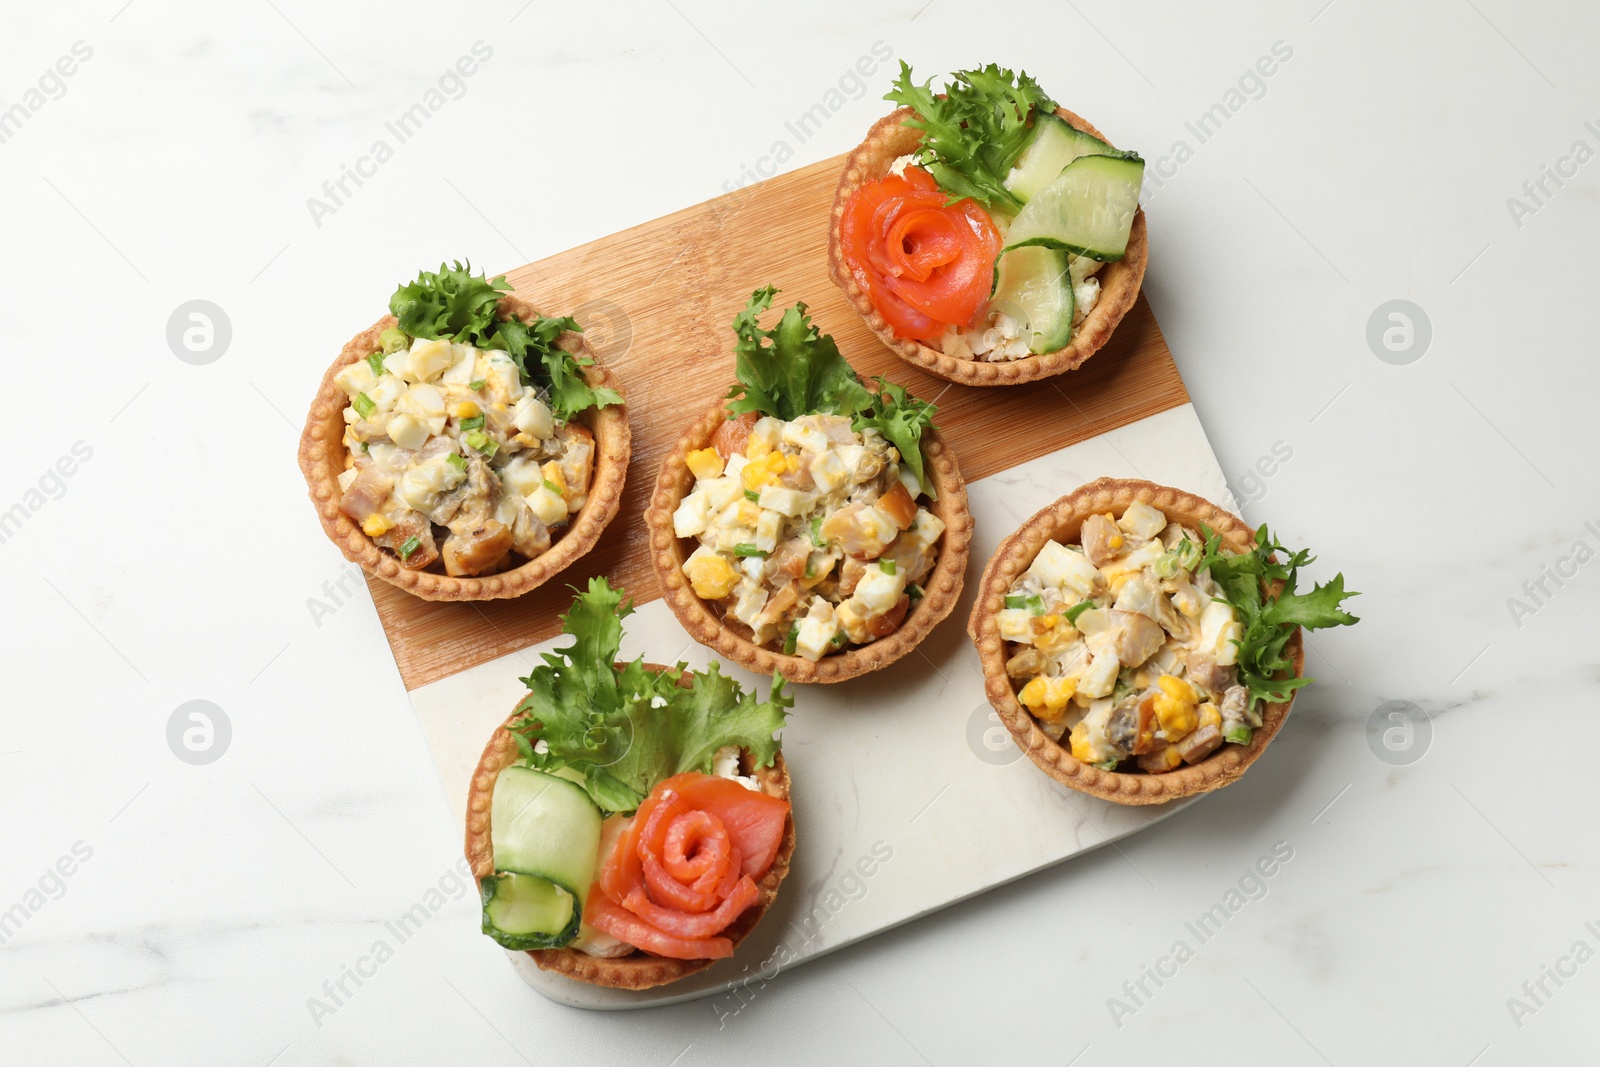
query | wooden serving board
(658,301)
(871,758)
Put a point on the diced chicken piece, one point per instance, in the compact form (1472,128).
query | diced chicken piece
(1199,743)
(1203,670)
(576,462)
(779,604)
(836,428)
(1173,533)
(476,549)
(1102,541)
(1142,595)
(1238,709)
(529,536)
(899,505)
(860,530)
(411,524)
(367,493)
(732,436)
(1136,637)
(884,623)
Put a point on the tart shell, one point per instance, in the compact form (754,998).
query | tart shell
(1062,521)
(323,454)
(638,970)
(707,625)
(888,140)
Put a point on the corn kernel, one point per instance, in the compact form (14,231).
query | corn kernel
(1116,541)
(754,476)
(705,463)
(466,410)
(791,464)
(711,576)
(776,463)
(375,525)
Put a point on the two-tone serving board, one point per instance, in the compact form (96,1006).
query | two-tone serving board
(909,795)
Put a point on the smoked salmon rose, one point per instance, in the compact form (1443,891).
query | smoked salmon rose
(687,866)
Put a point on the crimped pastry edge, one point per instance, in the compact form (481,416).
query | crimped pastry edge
(322,459)
(1062,521)
(940,591)
(1119,281)
(638,970)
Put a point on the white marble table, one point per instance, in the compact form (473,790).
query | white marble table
(157,548)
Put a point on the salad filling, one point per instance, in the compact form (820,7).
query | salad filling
(1148,642)
(985,241)
(633,818)
(462,438)
(808,507)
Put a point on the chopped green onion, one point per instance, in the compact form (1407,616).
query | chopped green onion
(751,494)
(410,546)
(1034,603)
(1239,735)
(887,566)
(1077,609)
(364,405)
(1016,600)
(746,549)
(790,641)
(553,487)
(1108,764)
(476,384)
(474,423)
(816,533)
(393,340)
(456,460)
(811,567)
(481,442)
(915,592)
(838,639)
(375,361)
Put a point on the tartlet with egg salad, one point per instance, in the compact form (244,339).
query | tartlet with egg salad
(1142,644)
(629,824)
(809,525)
(987,235)
(466,447)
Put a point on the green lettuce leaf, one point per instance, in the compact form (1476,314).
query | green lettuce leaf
(792,369)
(623,729)
(456,305)
(974,131)
(901,418)
(1268,620)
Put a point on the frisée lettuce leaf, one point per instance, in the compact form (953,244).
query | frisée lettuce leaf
(624,728)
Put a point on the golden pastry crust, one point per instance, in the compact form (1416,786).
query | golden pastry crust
(638,970)
(1119,282)
(323,455)
(728,637)
(1061,521)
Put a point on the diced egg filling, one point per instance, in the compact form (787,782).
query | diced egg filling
(452,456)
(1002,334)
(1120,645)
(812,538)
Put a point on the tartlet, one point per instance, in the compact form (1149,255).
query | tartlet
(638,970)
(712,621)
(888,141)
(323,457)
(1063,522)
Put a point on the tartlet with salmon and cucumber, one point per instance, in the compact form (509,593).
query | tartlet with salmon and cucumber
(466,447)
(987,235)
(809,524)
(629,824)
(1142,644)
